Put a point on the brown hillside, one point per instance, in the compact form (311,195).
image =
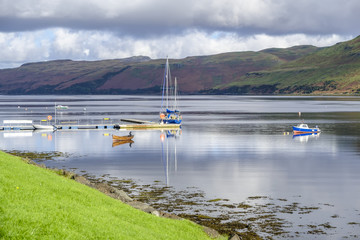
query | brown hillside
(141,74)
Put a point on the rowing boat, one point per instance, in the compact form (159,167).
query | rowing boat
(122,138)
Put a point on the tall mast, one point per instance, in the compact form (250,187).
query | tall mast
(167,82)
(175,94)
(55,112)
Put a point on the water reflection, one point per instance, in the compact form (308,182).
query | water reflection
(240,151)
(117,143)
(304,137)
(18,134)
(169,151)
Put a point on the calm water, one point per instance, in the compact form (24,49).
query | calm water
(231,147)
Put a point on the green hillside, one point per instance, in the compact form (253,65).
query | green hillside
(331,70)
(292,53)
(295,70)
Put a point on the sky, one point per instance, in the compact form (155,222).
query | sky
(44,30)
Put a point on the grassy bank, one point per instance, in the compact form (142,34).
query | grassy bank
(36,203)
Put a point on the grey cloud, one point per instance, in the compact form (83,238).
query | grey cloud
(143,18)
(37,30)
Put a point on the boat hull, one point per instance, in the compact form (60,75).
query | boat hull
(172,121)
(43,127)
(122,138)
(298,130)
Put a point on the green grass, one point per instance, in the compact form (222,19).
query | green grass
(36,203)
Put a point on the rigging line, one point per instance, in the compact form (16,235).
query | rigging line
(163,91)
(175,94)
(167,82)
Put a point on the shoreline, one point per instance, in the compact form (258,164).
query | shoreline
(256,218)
(38,203)
(122,196)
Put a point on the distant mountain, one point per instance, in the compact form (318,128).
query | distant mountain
(330,70)
(295,70)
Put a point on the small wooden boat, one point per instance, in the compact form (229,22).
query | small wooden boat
(122,138)
(304,128)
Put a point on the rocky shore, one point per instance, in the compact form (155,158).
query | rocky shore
(258,217)
(121,195)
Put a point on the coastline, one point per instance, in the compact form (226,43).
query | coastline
(259,217)
(120,195)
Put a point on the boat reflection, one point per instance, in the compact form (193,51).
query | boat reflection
(168,151)
(20,134)
(45,133)
(117,143)
(305,137)
(173,133)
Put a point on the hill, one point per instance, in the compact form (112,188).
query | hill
(296,70)
(140,74)
(330,70)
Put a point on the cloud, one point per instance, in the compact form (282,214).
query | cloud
(142,18)
(59,43)
(37,30)
(19,47)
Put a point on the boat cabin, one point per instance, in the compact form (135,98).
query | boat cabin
(302,125)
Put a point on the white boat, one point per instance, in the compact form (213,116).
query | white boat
(62,107)
(44,127)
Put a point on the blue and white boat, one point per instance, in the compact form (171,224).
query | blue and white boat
(304,128)
(169,113)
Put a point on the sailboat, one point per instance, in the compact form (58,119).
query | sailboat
(169,113)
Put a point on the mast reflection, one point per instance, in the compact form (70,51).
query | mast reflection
(168,140)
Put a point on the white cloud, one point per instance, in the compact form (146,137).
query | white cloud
(17,48)
(37,30)
(59,43)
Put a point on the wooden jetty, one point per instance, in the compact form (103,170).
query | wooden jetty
(17,125)
(148,126)
(136,125)
(141,124)
(85,126)
(137,121)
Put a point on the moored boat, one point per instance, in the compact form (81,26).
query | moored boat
(123,138)
(169,113)
(304,128)
(43,127)
(62,107)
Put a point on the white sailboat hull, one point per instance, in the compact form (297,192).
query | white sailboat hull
(43,127)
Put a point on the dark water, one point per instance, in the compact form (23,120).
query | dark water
(231,147)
